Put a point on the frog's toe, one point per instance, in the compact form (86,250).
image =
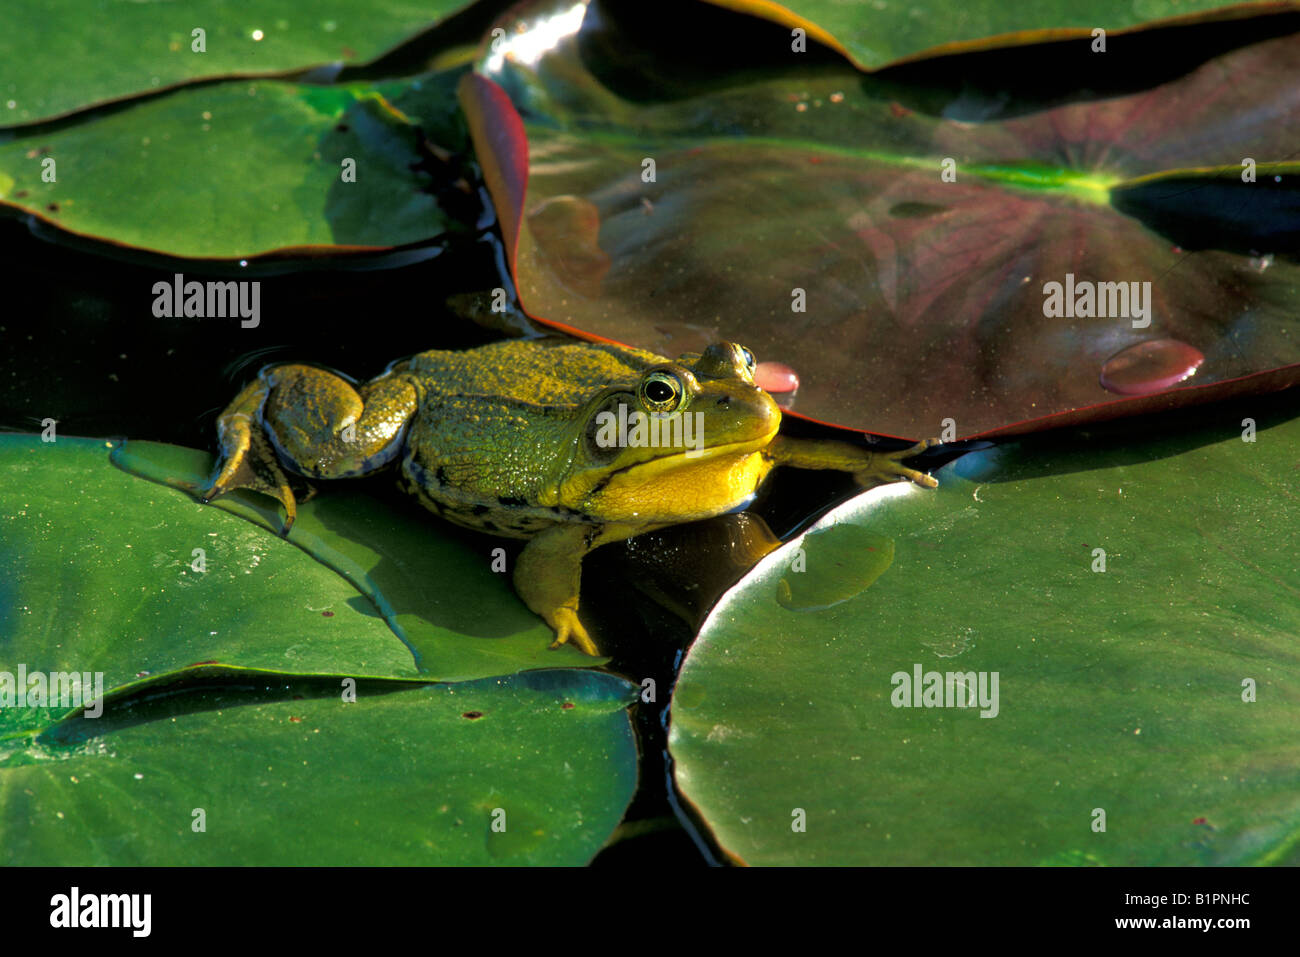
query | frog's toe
(902,473)
(281,493)
(569,628)
(916,449)
(248,461)
(888,467)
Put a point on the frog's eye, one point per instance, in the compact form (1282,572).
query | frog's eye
(748,356)
(661,392)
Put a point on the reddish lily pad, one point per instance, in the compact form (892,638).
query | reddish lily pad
(813,222)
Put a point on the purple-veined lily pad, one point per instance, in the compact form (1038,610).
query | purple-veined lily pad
(907,269)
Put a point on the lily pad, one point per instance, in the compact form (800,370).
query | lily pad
(534,769)
(58,59)
(243,168)
(879,33)
(795,214)
(446,595)
(103,572)
(1138,606)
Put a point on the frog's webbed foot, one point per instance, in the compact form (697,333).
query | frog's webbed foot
(888,467)
(568,628)
(867,468)
(248,459)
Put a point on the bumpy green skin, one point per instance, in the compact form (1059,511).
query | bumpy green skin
(498,429)
(505,439)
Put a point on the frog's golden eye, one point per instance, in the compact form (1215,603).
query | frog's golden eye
(748,356)
(661,392)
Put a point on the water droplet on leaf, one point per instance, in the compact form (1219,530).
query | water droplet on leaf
(1150,366)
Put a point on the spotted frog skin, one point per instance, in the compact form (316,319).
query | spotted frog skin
(517,439)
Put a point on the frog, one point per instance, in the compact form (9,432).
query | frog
(530,439)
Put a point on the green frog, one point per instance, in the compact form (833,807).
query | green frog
(571,445)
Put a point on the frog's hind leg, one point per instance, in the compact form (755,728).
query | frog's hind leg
(302,420)
(248,459)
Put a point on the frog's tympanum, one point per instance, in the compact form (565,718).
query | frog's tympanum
(568,444)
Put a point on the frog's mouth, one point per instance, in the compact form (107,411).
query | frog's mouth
(676,458)
(743,447)
(677,488)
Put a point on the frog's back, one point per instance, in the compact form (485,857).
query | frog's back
(492,419)
(542,372)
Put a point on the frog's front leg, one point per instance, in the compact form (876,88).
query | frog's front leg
(549,572)
(868,468)
(305,420)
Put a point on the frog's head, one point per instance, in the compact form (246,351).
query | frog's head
(679,442)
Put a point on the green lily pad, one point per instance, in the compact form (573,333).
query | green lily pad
(812,219)
(54,60)
(437,591)
(876,34)
(533,769)
(100,572)
(1139,605)
(243,168)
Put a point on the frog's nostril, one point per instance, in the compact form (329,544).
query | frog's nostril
(725,400)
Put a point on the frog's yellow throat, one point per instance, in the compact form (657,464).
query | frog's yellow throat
(678,488)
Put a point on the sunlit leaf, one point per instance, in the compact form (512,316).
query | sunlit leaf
(1137,602)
